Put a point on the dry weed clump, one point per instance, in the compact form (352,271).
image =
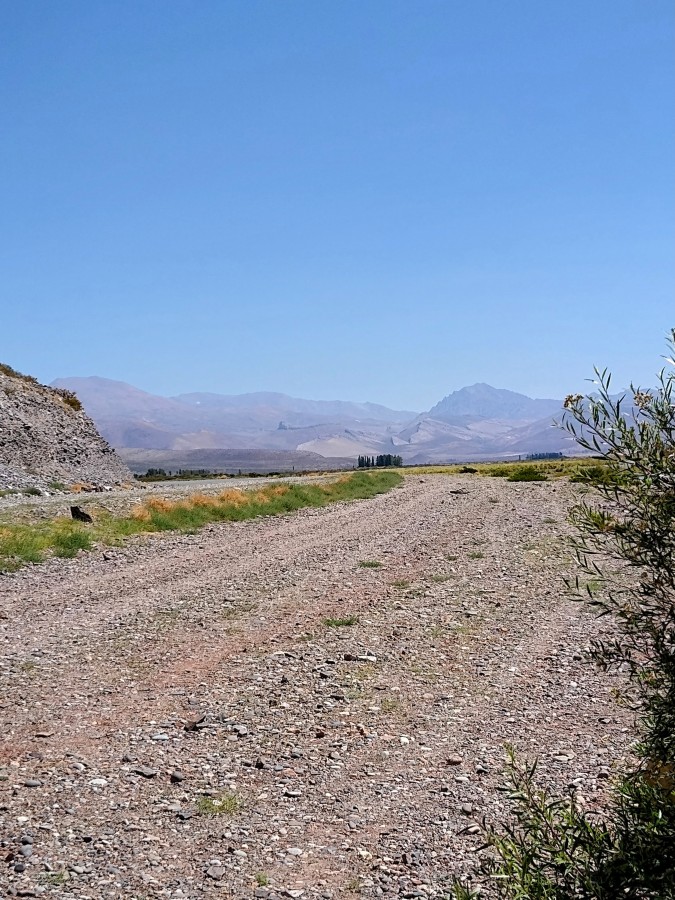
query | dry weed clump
(204,500)
(236,498)
(144,512)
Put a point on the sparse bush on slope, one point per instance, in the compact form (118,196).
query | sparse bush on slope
(625,525)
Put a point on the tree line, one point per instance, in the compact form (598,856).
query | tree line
(382,460)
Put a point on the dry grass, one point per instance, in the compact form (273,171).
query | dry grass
(31,543)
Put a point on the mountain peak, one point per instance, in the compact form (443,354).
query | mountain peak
(487,402)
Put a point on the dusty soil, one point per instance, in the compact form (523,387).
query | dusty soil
(353,759)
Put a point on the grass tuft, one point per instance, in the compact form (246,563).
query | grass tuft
(227,805)
(370,564)
(341,623)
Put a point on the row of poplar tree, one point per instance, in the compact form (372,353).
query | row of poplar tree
(383,459)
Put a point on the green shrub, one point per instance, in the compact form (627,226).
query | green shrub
(593,474)
(625,526)
(70,398)
(527,473)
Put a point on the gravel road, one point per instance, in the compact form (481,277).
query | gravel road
(184,717)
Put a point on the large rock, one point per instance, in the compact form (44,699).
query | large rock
(46,437)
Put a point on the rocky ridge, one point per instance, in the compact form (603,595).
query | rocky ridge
(46,439)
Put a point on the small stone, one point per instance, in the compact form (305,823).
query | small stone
(162,736)
(32,782)
(240,730)
(26,850)
(294,851)
(176,777)
(19,867)
(215,872)
(292,793)
(98,782)
(146,771)
(294,893)
(454,760)
(26,839)
(467,808)
(191,725)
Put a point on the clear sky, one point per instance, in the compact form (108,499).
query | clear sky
(376,200)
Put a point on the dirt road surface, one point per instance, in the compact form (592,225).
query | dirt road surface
(253,712)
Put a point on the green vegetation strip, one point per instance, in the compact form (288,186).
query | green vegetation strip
(584,469)
(32,543)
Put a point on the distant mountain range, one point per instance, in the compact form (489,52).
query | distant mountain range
(476,422)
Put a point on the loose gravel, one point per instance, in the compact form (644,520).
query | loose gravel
(183,717)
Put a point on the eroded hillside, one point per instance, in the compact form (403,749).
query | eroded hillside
(46,438)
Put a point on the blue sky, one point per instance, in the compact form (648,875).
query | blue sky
(375,200)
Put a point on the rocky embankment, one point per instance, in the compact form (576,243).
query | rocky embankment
(313,706)
(47,441)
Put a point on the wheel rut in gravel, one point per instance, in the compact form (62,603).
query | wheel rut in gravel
(354,758)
